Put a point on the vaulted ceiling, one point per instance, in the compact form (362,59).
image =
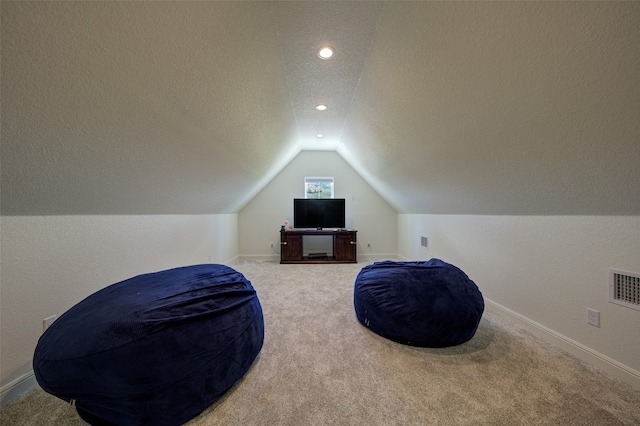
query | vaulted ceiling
(443,107)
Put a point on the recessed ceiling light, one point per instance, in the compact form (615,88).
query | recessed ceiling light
(321,107)
(319,135)
(325,52)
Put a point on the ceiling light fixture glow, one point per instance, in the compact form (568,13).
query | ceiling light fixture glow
(325,52)
(319,135)
(321,107)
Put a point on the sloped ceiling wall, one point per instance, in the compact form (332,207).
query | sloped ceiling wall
(503,108)
(443,107)
(139,107)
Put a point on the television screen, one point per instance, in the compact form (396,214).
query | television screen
(318,213)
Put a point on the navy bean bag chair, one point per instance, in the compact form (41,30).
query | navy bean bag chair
(427,304)
(156,349)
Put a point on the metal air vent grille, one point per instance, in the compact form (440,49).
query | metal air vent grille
(424,242)
(624,288)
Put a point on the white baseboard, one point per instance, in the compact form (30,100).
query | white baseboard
(603,362)
(233,259)
(17,388)
(377,257)
(274,256)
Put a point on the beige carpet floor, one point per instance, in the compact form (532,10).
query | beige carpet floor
(319,366)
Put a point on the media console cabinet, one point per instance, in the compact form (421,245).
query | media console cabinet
(344,246)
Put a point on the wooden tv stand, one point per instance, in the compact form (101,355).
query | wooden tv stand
(344,246)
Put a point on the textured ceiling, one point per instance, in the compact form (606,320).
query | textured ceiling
(443,107)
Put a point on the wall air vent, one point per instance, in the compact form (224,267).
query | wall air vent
(424,242)
(624,288)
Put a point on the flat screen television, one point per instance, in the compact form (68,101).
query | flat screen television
(318,213)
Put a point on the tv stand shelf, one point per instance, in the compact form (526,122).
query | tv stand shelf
(344,246)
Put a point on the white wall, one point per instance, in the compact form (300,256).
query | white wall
(549,269)
(260,220)
(49,263)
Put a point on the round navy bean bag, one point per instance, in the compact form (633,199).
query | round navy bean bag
(428,304)
(156,349)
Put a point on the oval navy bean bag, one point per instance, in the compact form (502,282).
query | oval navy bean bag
(428,304)
(156,349)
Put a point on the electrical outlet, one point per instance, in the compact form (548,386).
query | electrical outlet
(593,317)
(46,323)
